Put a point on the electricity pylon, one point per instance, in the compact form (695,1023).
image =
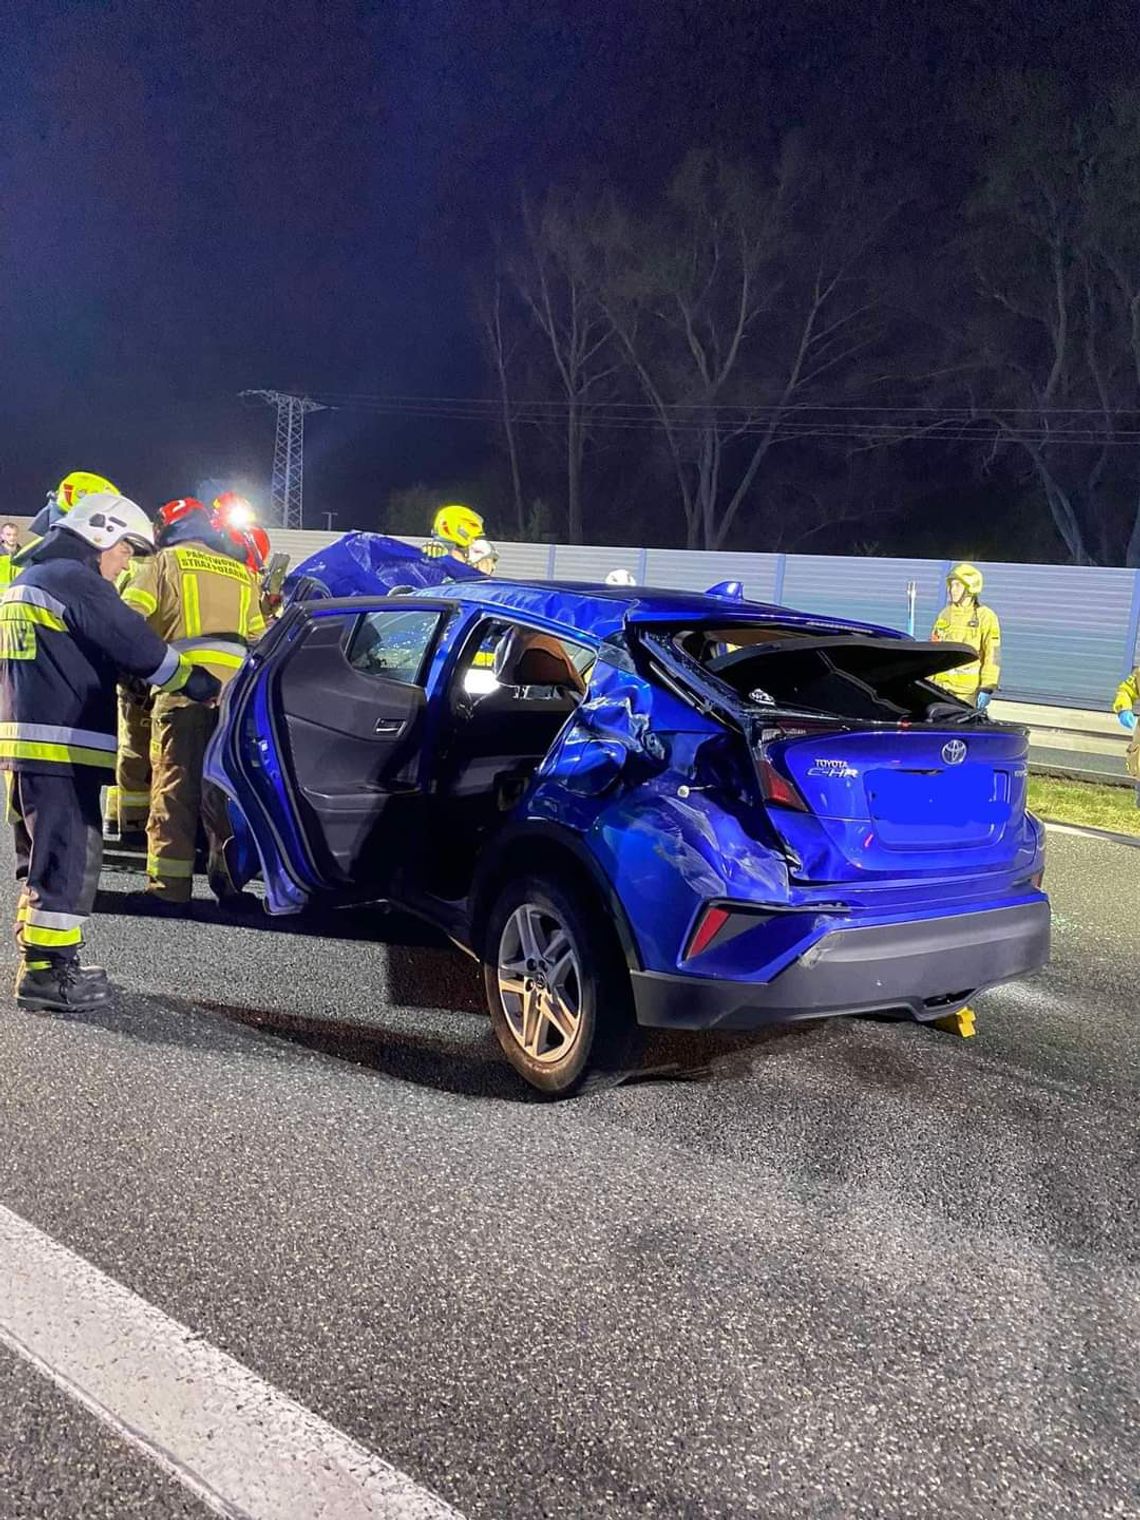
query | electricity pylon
(288,454)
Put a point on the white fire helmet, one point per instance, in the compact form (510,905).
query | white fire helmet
(481,549)
(621,577)
(104,519)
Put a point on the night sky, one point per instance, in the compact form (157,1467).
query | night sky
(203,197)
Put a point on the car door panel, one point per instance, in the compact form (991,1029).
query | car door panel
(354,747)
(324,757)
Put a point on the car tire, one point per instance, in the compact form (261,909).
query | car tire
(558,988)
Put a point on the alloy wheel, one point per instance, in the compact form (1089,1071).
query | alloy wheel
(540,983)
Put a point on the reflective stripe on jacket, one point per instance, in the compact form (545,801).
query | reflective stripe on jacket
(64,639)
(970,623)
(205,603)
(202,602)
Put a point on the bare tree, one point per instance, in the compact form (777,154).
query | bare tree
(1052,346)
(555,273)
(736,307)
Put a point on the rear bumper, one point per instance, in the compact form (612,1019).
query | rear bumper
(923,968)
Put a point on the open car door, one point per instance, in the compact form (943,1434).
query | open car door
(321,744)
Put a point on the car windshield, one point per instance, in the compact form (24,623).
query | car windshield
(841,674)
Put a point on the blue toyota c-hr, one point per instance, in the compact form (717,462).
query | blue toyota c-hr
(639,808)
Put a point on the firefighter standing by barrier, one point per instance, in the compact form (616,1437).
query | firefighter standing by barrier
(1124,706)
(9,548)
(454,529)
(964,620)
(199,594)
(65,636)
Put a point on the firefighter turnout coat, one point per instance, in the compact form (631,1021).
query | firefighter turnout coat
(205,602)
(65,635)
(65,638)
(208,605)
(1126,700)
(969,622)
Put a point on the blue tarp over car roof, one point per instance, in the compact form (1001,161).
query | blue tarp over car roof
(371,564)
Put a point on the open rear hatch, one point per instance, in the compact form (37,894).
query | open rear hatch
(866,767)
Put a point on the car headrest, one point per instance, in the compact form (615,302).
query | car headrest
(524,658)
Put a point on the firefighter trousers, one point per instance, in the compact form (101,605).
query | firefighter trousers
(128,801)
(180,732)
(59,850)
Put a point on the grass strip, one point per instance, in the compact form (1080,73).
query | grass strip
(1085,802)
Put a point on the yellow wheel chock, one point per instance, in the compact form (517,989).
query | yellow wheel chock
(961,1023)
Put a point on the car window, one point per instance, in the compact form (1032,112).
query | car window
(582,656)
(393,644)
(477,674)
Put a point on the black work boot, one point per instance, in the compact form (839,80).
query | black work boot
(62,987)
(222,881)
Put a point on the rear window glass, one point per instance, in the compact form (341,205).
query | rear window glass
(840,674)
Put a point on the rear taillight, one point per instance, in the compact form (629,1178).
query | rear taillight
(708,926)
(775,788)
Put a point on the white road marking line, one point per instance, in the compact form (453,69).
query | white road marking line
(246,1450)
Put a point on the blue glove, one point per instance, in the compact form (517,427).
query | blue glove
(1127,719)
(984,700)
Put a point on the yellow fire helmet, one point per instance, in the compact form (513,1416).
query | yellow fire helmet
(78,484)
(970,576)
(458,525)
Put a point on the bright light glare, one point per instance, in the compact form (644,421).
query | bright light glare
(240,517)
(479,681)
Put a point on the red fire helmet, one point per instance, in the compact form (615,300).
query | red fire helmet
(177,511)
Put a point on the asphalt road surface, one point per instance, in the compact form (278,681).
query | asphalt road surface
(845,1270)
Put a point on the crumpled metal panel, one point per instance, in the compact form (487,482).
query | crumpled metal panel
(372,564)
(656,792)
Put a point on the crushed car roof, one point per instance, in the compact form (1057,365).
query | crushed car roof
(603,610)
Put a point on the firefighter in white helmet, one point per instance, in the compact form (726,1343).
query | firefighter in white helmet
(483,556)
(65,639)
(71,490)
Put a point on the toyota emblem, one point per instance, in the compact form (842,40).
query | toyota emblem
(954,752)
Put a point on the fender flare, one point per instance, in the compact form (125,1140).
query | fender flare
(525,835)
